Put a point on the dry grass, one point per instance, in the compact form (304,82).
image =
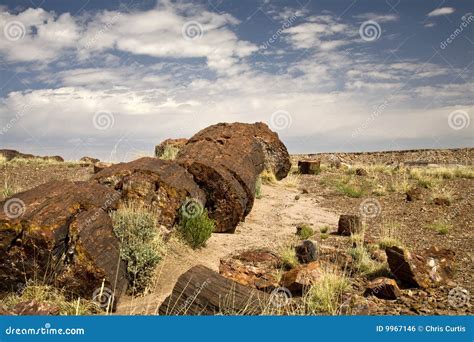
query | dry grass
(9,189)
(440,226)
(288,256)
(268,177)
(442,194)
(54,297)
(292,180)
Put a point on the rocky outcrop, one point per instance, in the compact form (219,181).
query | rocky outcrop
(87,161)
(60,232)
(173,143)
(159,184)
(12,154)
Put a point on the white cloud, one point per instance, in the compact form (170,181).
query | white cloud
(441,11)
(380,18)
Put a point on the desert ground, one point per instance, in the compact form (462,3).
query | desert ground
(416,199)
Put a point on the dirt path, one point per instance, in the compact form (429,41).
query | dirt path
(272,221)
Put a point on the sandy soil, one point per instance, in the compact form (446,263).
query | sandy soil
(271,222)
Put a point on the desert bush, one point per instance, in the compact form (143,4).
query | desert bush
(50,295)
(353,187)
(325,296)
(268,177)
(9,189)
(258,187)
(169,153)
(304,231)
(443,194)
(196,229)
(324,229)
(440,226)
(288,257)
(363,263)
(292,180)
(142,246)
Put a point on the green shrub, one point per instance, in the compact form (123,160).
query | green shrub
(142,245)
(169,153)
(304,231)
(441,227)
(196,228)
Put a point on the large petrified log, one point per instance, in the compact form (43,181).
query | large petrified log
(276,157)
(201,291)
(60,233)
(162,185)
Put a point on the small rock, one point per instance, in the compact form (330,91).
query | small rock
(306,251)
(413,194)
(297,197)
(361,172)
(349,224)
(99,166)
(384,288)
(301,277)
(304,191)
(441,201)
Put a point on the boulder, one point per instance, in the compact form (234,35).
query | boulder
(174,143)
(306,251)
(254,268)
(309,167)
(60,233)
(99,166)
(301,277)
(428,268)
(349,224)
(159,184)
(384,288)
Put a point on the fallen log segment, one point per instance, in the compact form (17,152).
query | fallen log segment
(276,157)
(162,185)
(201,291)
(60,233)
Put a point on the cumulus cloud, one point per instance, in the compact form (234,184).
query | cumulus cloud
(441,11)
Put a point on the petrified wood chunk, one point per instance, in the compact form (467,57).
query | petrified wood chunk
(309,167)
(384,288)
(349,224)
(161,184)
(60,233)
(428,268)
(301,277)
(201,291)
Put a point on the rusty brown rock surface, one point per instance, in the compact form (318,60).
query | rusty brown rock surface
(428,268)
(60,233)
(163,185)
(349,224)
(301,277)
(276,155)
(384,288)
(175,143)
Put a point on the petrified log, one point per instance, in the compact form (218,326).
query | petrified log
(60,233)
(309,167)
(174,143)
(384,288)
(163,185)
(349,224)
(227,174)
(428,268)
(276,157)
(201,291)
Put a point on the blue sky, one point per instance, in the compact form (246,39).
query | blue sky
(112,79)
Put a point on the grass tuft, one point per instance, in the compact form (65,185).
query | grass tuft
(440,226)
(196,229)
(304,231)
